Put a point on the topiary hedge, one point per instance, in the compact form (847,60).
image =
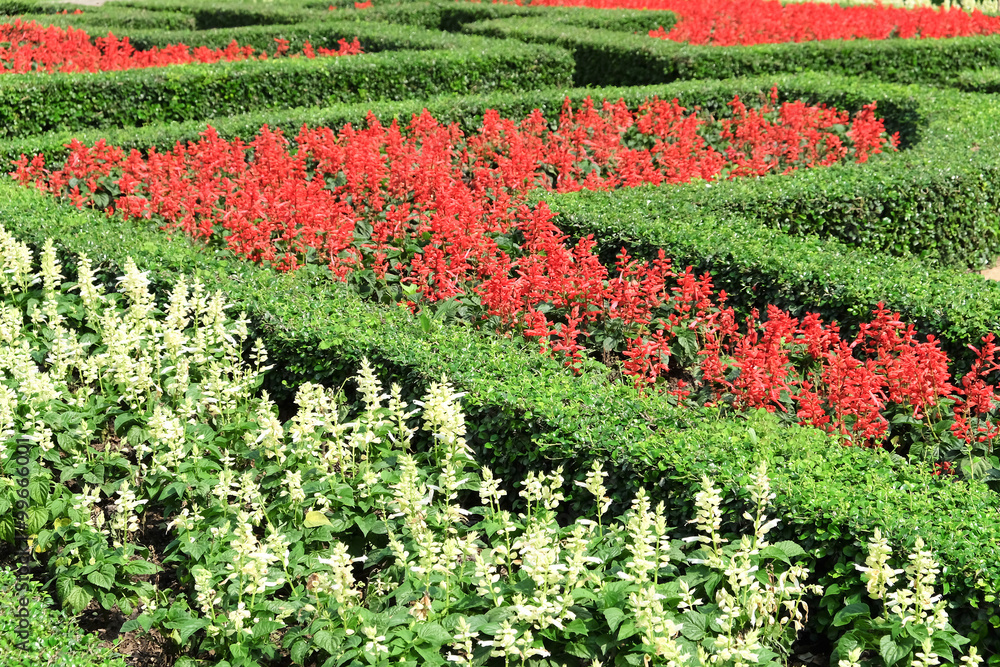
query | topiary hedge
(32,103)
(606,58)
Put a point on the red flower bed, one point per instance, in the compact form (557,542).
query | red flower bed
(733,22)
(31,47)
(430,215)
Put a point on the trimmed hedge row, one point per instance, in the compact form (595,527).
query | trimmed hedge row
(31,104)
(606,58)
(374,36)
(527,413)
(937,198)
(979,81)
(122,19)
(452,16)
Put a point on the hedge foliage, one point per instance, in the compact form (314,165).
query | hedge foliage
(606,58)
(452,16)
(527,413)
(936,200)
(123,19)
(374,36)
(31,104)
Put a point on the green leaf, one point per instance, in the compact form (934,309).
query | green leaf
(783,551)
(851,612)
(892,652)
(77,599)
(694,625)
(315,518)
(614,616)
(326,641)
(140,567)
(299,651)
(100,579)
(185,624)
(433,633)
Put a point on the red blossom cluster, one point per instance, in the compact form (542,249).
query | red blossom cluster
(444,216)
(744,22)
(30,47)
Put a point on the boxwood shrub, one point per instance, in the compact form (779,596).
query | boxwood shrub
(606,58)
(31,104)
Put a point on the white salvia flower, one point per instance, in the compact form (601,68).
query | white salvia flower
(543,490)
(462,643)
(16,260)
(91,294)
(708,518)
(293,487)
(341,584)
(595,485)
(876,573)
(370,387)
(376,642)
(404,433)
(125,519)
(688,600)
(444,418)
(503,642)
(642,540)
(973,658)
(926,657)
(490,492)
(238,616)
(11,321)
(853,658)
(207,598)
(134,284)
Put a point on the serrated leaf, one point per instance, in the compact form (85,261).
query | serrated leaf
(101,580)
(326,641)
(694,625)
(140,567)
(186,626)
(77,599)
(315,518)
(299,651)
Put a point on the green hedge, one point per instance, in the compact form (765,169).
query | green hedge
(374,36)
(31,103)
(101,21)
(979,81)
(606,58)
(938,198)
(452,16)
(525,412)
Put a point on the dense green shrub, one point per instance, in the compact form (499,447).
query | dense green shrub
(101,20)
(374,36)
(530,414)
(54,640)
(30,103)
(937,198)
(452,16)
(605,58)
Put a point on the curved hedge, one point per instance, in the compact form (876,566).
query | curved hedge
(606,58)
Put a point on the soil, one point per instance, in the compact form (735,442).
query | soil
(993,272)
